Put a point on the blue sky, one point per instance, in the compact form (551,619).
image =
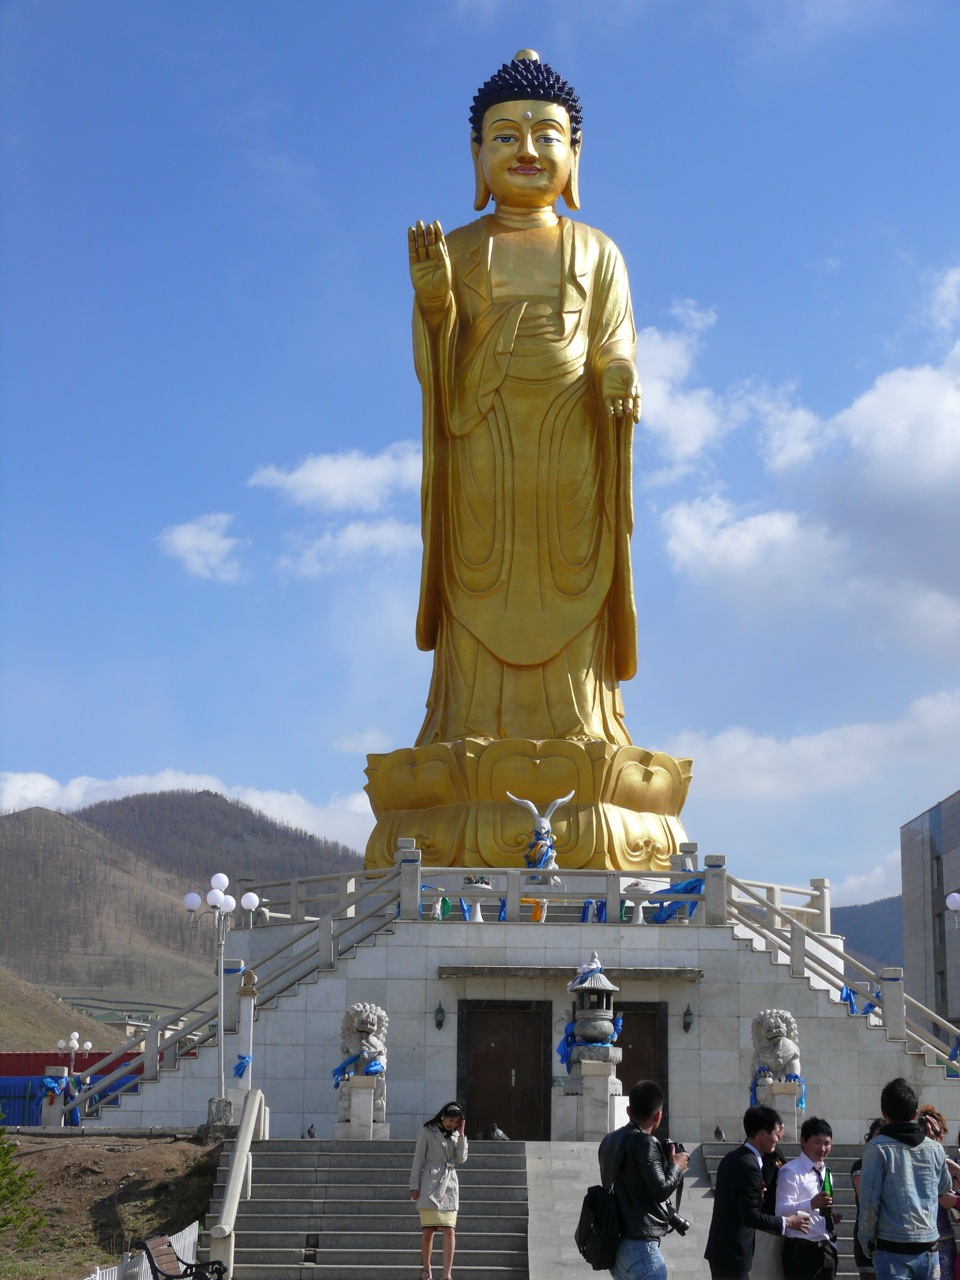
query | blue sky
(210,545)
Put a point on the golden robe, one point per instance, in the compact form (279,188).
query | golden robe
(526,591)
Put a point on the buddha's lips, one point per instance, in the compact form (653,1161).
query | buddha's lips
(526,169)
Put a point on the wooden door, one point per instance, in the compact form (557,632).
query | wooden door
(644,1044)
(503,1066)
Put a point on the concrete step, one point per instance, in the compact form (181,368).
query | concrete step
(348,1175)
(494,1222)
(259,1269)
(384,1250)
(327,1208)
(404,1238)
(379,1162)
(378,1147)
(340,1211)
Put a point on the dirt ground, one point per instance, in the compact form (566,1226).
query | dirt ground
(99,1194)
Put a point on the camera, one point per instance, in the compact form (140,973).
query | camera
(674,1222)
(680,1225)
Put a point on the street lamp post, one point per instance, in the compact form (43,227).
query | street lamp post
(221,906)
(73,1044)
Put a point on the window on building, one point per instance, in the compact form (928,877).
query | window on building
(938,934)
(936,871)
(941,986)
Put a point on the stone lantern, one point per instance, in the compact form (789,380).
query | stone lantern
(593,1004)
(593,1059)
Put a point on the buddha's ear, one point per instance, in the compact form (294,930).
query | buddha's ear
(481,195)
(571,192)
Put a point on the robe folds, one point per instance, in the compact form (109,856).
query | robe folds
(526,591)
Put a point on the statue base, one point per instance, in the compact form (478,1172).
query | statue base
(451,798)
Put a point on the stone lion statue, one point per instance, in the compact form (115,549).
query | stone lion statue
(775,1044)
(363,1032)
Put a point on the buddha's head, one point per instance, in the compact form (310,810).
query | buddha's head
(525,136)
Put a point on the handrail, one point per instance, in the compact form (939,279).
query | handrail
(253,1124)
(90,1091)
(836,980)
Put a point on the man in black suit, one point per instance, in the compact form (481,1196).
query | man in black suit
(737,1208)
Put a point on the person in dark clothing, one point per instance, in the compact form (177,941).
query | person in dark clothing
(737,1207)
(644,1175)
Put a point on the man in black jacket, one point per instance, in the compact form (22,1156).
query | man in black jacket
(644,1176)
(737,1210)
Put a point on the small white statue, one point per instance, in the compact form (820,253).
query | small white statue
(775,1044)
(364,1042)
(543,851)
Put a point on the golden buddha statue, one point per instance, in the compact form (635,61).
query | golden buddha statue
(524,346)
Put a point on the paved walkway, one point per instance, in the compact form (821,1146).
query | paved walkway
(558,1174)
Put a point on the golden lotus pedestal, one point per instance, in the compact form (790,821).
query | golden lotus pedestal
(451,798)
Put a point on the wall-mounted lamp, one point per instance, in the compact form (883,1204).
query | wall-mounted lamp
(953,905)
(687,1020)
(440,1016)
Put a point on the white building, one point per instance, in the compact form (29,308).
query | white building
(477,1009)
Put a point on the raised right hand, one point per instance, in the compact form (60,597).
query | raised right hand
(679,1158)
(430,268)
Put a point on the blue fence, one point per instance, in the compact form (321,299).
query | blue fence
(22,1099)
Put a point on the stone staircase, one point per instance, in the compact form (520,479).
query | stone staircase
(341,1210)
(840,1160)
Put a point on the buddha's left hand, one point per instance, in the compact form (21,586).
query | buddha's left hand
(621,392)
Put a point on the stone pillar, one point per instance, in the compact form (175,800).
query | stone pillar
(361,1107)
(409,883)
(821,900)
(593,1077)
(893,1006)
(248,1005)
(715,890)
(51,1114)
(782,1095)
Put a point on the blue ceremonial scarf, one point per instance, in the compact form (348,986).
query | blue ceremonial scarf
(670,909)
(244,1061)
(565,1047)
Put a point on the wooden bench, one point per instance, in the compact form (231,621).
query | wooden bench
(166,1265)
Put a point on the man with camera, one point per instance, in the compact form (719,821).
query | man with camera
(644,1173)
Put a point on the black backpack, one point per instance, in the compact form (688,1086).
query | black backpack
(598,1231)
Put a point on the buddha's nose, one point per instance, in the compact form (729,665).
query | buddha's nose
(528,150)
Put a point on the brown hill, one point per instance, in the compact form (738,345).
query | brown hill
(195,833)
(30,1019)
(98,894)
(92,918)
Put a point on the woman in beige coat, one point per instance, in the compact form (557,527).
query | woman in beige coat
(441,1146)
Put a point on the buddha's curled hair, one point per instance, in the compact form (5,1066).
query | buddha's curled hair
(522,79)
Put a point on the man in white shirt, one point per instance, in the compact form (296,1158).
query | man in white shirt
(800,1189)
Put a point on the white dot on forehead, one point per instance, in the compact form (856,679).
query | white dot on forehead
(528,115)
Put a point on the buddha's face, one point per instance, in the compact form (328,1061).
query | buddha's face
(526,153)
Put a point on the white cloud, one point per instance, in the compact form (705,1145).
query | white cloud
(739,764)
(906,427)
(203,547)
(347,481)
(903,431)
(339,549)
(882,880)
(363,743)
(707,538)
(344,818)
(684,421)
(791,434)
(943,305)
